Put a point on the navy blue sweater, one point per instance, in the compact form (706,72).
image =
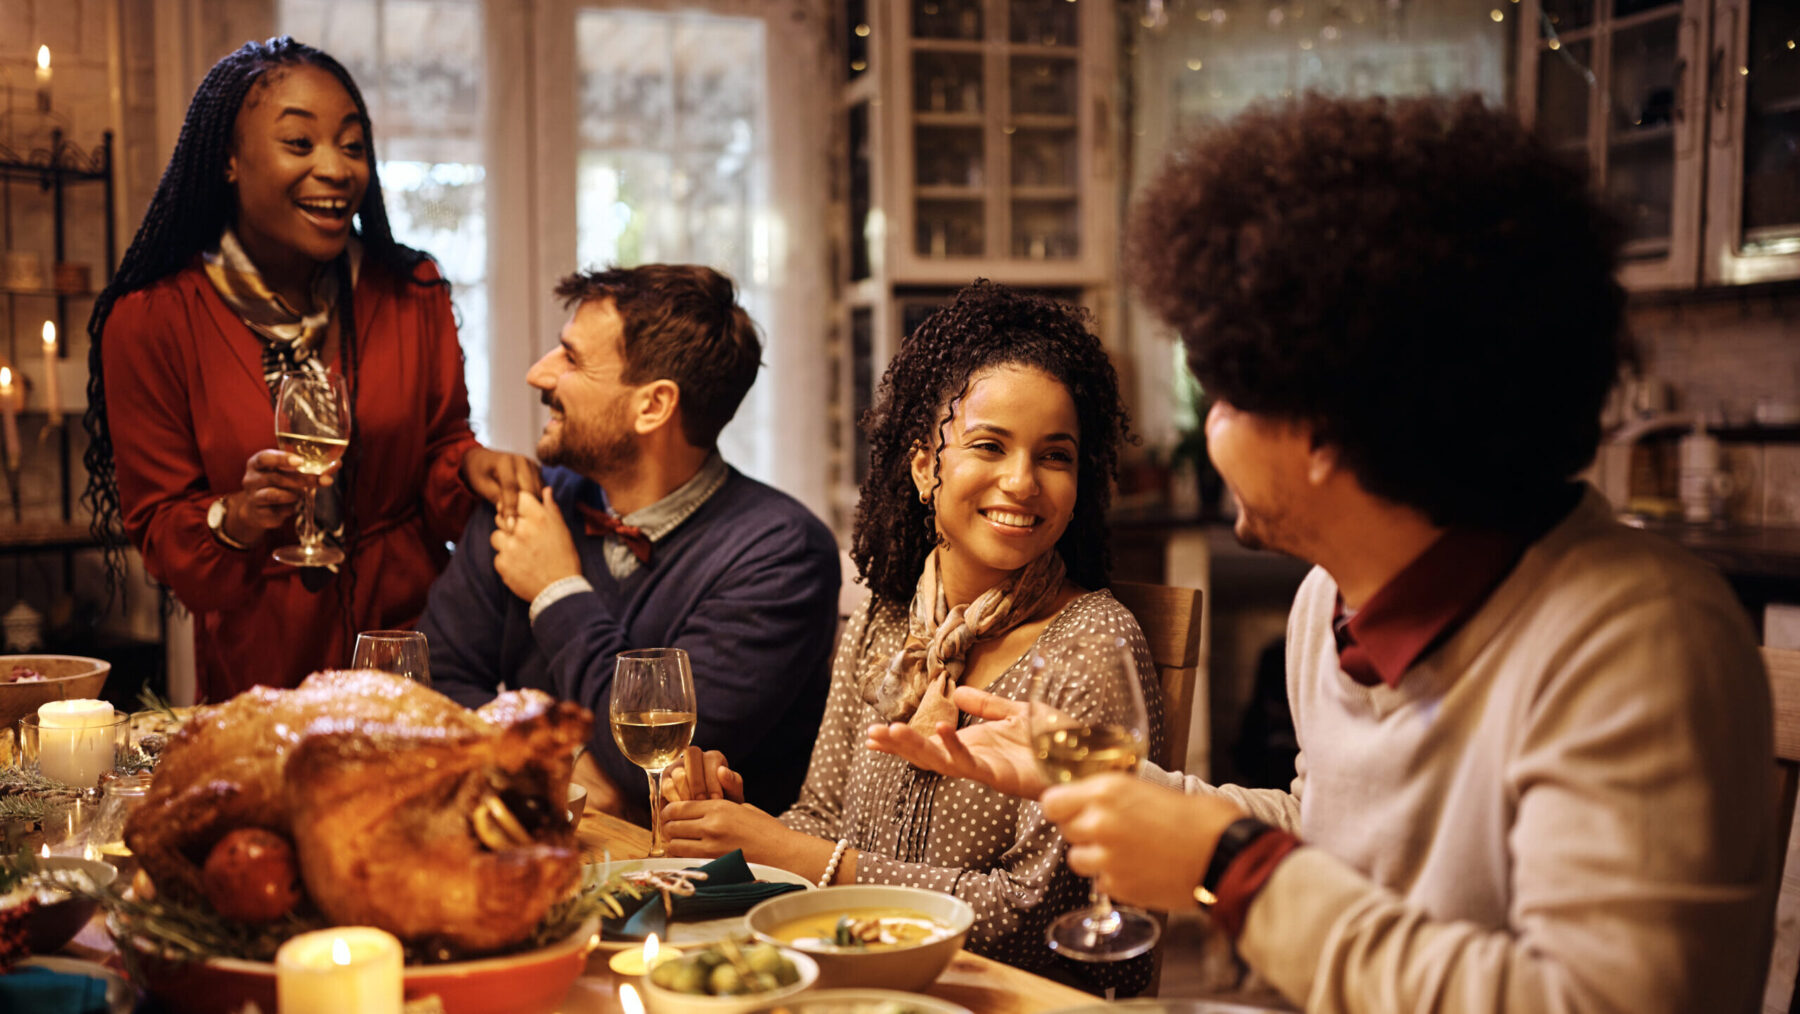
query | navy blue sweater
(748,586)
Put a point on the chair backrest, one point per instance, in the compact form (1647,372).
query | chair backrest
(1170,619)
(1784,962)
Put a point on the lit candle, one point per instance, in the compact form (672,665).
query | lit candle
(628,999)
(638,960)
(43,79)
(52,392)
(75,740)
(9,424)
(346,970)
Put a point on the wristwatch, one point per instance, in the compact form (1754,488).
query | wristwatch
(1236,837)
(215,520)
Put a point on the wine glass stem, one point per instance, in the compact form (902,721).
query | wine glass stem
(656,838)
(304,526)
(1101,918)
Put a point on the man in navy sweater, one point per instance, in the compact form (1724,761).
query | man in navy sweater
(644,537)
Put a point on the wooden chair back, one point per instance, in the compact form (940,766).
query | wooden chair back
(1170,619)
(1784,963)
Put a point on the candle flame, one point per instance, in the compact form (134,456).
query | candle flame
(340,951)
(45,851)
(43,57)
(628,999)
(88,851)
(650,947)
(5,376)
(49,334)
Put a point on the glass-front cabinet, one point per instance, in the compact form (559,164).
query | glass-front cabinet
(1615,85)
(1678,107)
(1753,143)
(997,164)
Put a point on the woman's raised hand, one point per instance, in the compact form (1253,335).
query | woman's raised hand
(996,752)
(497,477)
(702,774)
(273,485)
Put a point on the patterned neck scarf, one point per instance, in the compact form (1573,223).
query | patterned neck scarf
(915,688)
(290,339)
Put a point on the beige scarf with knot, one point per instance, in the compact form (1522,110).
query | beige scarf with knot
(915,687)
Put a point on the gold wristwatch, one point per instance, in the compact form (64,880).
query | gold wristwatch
(215,520)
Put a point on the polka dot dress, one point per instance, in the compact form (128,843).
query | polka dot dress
(918,829)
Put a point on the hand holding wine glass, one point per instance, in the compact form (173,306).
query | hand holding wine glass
(312,423)
(1111,732)
(652,716)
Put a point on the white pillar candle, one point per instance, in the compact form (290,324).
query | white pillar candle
(52,392)
(75,741)
(346,970)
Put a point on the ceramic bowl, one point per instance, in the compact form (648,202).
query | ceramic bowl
(904,968)
(67,677)
(530,982)
(50,926)
(658,1000)
(868,1001)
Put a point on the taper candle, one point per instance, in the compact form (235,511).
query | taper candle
(43,79)
(52,391)
(9,425)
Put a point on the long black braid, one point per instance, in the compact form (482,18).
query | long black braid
(191,207)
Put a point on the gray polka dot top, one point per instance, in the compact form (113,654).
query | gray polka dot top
(915,828)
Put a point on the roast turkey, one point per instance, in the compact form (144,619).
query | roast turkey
(441,825)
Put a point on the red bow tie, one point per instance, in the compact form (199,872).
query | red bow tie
(598,522)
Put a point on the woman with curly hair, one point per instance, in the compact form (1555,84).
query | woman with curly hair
(267,250)
(982,534)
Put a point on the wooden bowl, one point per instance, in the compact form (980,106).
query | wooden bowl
(529,982)
(66,677)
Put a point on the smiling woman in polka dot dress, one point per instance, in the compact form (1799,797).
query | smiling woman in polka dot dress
(981,532)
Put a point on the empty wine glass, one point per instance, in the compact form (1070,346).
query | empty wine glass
(653,718)
(312,422)
(401,652)
(1086,717)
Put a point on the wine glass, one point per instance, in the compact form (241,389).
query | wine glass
(1109,732)
(312,422)
(401,652)
(653,718)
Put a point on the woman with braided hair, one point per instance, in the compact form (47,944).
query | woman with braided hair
(267,249)
(980,531)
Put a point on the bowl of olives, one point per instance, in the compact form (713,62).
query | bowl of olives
(727,977)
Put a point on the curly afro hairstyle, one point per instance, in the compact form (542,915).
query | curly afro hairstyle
(1418,279)
(986,326)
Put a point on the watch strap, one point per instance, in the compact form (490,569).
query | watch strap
(1237,836)
(218,510)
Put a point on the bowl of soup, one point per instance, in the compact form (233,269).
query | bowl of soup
(869,935)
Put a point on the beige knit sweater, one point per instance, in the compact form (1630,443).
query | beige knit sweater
(1565,807)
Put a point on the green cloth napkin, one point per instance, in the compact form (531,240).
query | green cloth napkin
(729,889)
(41,991)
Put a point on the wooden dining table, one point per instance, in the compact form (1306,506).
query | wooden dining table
(981,984)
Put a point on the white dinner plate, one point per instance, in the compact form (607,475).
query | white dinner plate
(684,933)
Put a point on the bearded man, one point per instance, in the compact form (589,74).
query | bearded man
(644,537)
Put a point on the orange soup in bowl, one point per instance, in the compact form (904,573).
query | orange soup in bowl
(861,929)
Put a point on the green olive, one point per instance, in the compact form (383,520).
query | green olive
(725,981)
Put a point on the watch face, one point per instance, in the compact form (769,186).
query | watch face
(215,515)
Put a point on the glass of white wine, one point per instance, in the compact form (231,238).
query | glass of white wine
(312,422)
(653,718)
(1096,674)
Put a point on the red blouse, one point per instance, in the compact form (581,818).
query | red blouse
(187,406)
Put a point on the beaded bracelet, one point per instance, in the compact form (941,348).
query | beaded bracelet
(831,867)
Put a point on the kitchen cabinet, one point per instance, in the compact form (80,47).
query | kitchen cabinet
(1687,112)
(980,142)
